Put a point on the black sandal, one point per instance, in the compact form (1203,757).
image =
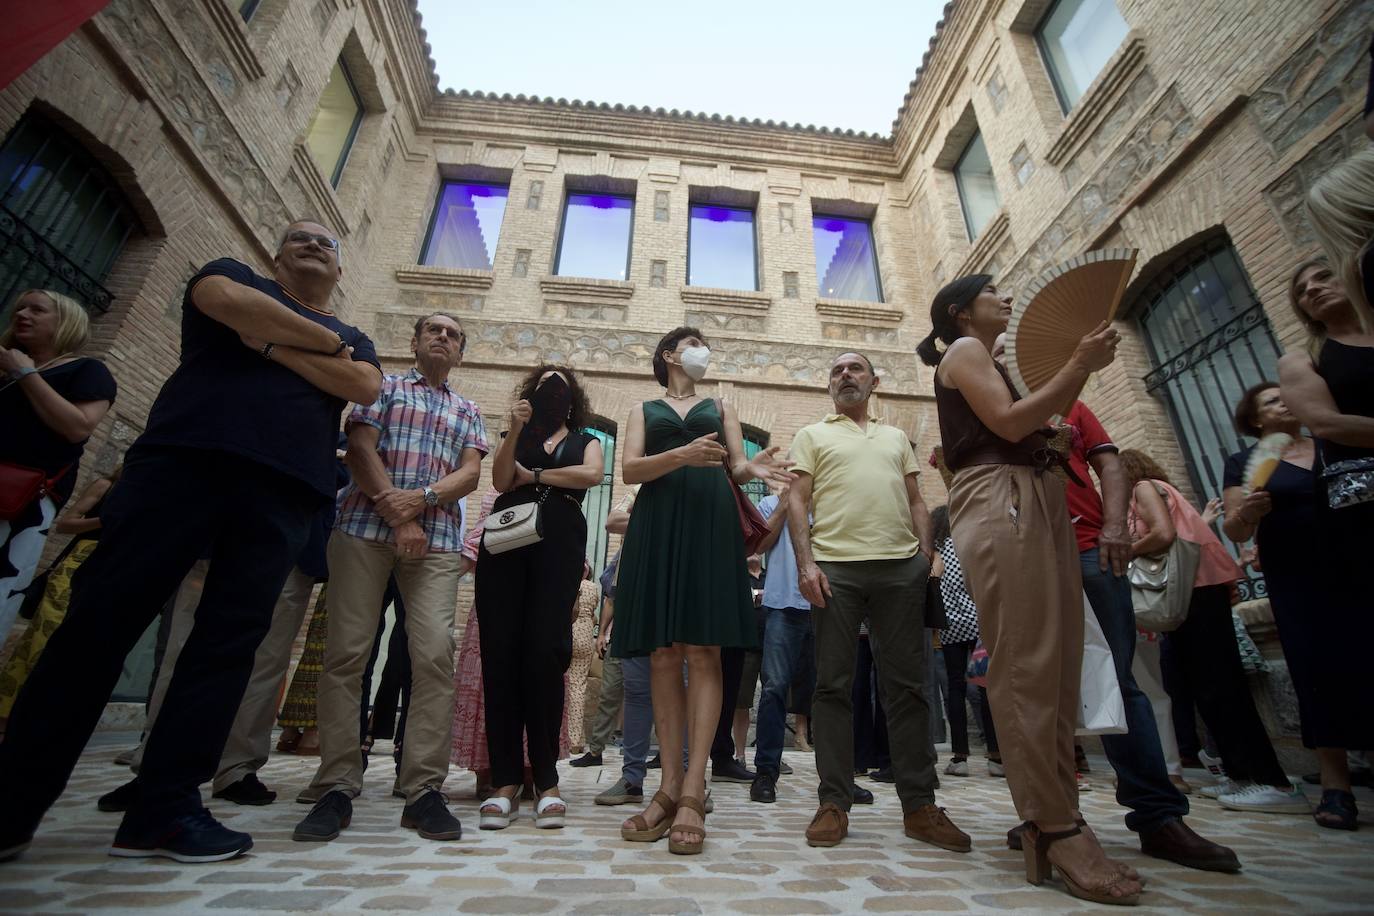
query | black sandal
(1339,808)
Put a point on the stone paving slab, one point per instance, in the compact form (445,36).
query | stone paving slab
(756,859)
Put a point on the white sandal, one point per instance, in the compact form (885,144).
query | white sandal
(509,809)
(553,820)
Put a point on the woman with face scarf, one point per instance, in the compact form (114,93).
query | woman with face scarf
(683,591)
(523,595)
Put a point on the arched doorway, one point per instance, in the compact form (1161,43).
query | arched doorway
(1208,340)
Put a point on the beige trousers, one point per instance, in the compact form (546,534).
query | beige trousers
(1012,533)
(250,737)
(358,572)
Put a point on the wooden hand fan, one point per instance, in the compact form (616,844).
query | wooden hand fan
(1064,303)
(1264,460)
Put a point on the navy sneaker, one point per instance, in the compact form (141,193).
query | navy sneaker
(194,837)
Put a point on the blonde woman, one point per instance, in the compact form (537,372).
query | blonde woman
(51,400)
(1330,390)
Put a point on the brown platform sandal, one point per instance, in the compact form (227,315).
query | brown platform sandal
(1126,871)
(689,848)
(642,832)
(1035,846)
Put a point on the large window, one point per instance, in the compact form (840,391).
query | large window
(977,189)
(335,124)
(1208,341)
(466,225)
(1077,38)
(598,503)
(846,265)
(63,221)
(720,248)
(595,239)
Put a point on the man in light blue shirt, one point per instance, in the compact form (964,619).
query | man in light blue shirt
(787,625)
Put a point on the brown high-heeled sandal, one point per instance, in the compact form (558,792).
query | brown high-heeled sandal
(1035,846)
(694,846)
(642,832)
(1126,871)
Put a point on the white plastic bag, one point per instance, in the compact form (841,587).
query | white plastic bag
(1100,709)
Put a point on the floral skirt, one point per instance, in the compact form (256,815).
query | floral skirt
(298,710)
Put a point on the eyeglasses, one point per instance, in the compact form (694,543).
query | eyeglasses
(300,237)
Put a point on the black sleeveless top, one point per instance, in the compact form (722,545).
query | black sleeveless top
(968,442)
(568,453)
(1349,374)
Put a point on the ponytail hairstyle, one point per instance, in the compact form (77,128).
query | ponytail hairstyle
(939,524)
(954,298)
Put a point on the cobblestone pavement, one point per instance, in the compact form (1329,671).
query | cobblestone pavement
(756,858)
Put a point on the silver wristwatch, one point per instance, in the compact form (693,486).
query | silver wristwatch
(431,497)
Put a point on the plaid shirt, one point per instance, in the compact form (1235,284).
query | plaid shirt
(424,431)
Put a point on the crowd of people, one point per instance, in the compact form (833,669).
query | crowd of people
(241,498)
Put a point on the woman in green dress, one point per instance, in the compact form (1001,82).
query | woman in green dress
(683,590)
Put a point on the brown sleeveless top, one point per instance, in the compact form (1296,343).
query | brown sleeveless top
(968,442)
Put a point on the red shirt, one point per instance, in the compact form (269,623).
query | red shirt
(1085,505)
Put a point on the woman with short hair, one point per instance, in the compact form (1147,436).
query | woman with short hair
(51,400)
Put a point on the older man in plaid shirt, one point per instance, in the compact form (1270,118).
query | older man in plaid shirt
(415,454)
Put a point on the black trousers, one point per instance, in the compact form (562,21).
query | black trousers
(524,602)
(731,670)
(1206,649)
(956,699)
(393,690)
(871,746)
(171,507)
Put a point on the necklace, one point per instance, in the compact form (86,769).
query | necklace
(680,397)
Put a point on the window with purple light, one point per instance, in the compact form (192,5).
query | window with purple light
(720,248)
(466,225)
(846,266)
(595,241)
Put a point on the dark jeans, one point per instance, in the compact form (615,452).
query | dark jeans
(871,748)
(956,700)
(1210,659)
(172,506)
(1142,780)
(784,640)
(890,594)
(1181,698)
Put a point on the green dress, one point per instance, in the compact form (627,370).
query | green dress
(683,577)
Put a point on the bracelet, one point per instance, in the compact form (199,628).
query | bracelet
(23,372)
(267,351)
(537,472)
(340,348)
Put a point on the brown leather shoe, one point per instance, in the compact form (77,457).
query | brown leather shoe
(829,826)
(1175,841)
(930,824)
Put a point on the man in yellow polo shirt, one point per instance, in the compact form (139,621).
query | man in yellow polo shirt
(865,555)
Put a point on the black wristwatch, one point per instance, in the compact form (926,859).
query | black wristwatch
(537,472)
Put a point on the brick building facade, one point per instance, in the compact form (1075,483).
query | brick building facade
(1191,138)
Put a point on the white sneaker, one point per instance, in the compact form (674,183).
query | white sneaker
(1213,765)
(995,768)
(1270,799)
(957,768)
(1223,786)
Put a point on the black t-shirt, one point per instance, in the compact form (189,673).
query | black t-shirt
(226,397)
(27,440)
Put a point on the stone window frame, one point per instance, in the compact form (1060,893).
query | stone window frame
(1047,9)
(731,199)
(596,184)
(852,210)
(444,182)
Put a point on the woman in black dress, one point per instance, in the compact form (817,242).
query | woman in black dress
(523,595)
(51,400)
(1330,390)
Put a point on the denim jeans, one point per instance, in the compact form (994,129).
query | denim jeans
(784,636)
(639,718)
(1142,779)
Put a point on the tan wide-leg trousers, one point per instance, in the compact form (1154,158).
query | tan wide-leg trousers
(1012,533)
(358,571)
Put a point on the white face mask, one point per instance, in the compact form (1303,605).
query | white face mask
(694,362)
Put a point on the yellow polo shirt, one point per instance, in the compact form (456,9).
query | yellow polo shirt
(858,489)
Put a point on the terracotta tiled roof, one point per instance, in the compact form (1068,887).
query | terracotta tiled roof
(925,59)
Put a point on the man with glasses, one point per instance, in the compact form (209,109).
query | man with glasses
(237,458)
(415,454)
